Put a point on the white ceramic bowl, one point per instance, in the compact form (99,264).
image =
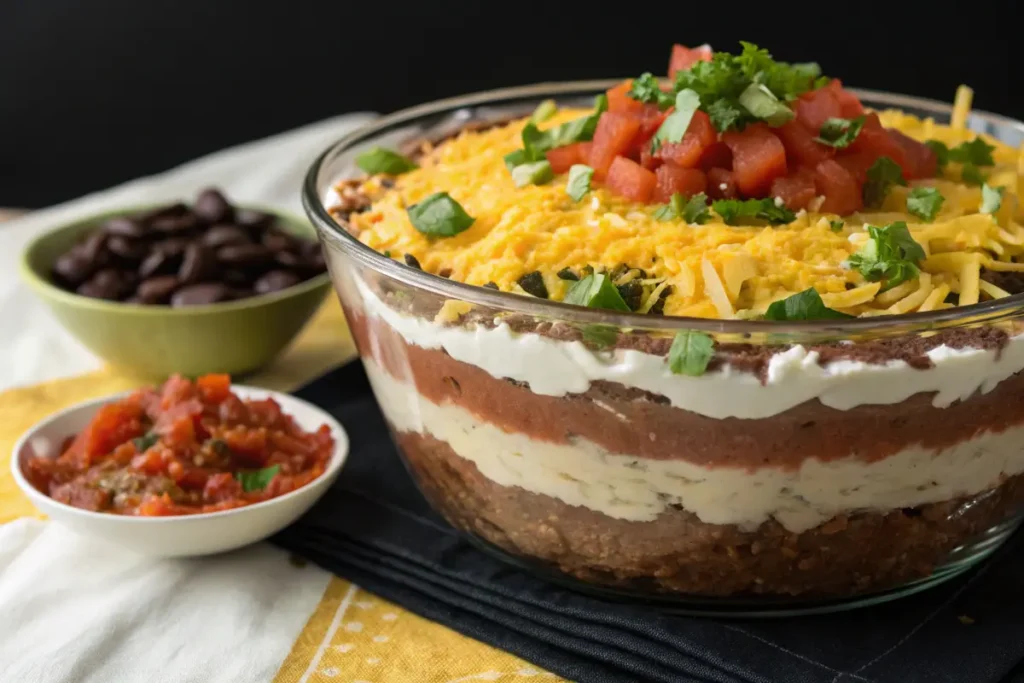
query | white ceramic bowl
(185,535)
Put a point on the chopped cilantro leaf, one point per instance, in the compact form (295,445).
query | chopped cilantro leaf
(805,305)
(439,215)
(516,158)
(972,175)
(544,111)
(600,336)
(600,104)
(735,210)
(578,184)
(762,104)
(533,173)
(146,441)
(882,175)
(696,209)
(380,160)
(596,291)
(690,353)
(257,480)
(840,133)
(837,226)
(725,114)
(925,202)
(891,255)
(647,89)
(977,152)
(536,142)
(671,211)
(674,127)
(991,199)
(941,151)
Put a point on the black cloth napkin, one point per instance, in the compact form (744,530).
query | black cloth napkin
(374,528)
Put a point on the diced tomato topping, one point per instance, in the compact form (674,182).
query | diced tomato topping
(562,158)
(620,102)
(921,159)
(114,424)
(875,141)
(648,160)
(816,107)
(758,158)
(629,179)
(721,184)
(613,137)
(856,164)
(801,147)
(214,388)
(717,155)
(688,152)
(796,190)
(684,57)
(841,190)
(849,105)
(672,179)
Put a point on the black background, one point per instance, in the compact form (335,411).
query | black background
(95,93)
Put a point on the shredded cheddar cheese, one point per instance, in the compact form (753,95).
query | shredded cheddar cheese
(714,270)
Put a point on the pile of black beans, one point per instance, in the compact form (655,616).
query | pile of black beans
(186,255)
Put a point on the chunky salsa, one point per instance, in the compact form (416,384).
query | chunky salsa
(185,448)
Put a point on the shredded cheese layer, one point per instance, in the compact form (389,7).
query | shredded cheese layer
(714,270)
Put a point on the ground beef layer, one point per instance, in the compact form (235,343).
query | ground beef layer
(627,421)
(677,553)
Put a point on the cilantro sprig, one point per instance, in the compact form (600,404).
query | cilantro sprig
(578,185)
(805,305)
(647,89)
(257,480)
(882,175)
(690,353)
(840,133)
(674,127)
(890,255)
(975,152)
(991,198)
(439,215)
(693,210)
(596,291)
(925,202)
(734,211)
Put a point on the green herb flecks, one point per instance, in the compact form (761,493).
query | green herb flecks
(532,173)
(882,175)
(578,184)
(601,336)
(991,198)
(840,133)
(380,160)
(805,305)
(690,353)
(544,111)
(257,480)
(674,127)
(762,104)
(972,175)
(836,226)
(596,291)
(439,215)
(891,255)
(146,441)
(733,211)
(924,202)
(693,210)
(647,89)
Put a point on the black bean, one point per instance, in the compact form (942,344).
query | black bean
(224,234)
(289,259)
(157,290)
(198,295)
(170,210)
(236,278)
(412,262)
(172,246)
(72,269)
(124,226)
(248,255)
(533,283)
(93,246)
(276,280)
(212,207)
(199,263)
(491,285)
(277,240)
(632,293)
(158,263)
(567,274)
(175,224)
(253,221)
(128,250)
(106,284)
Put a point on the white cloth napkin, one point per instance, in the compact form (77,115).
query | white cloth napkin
(33,346)
(75,610)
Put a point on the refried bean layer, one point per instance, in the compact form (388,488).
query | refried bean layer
(677,553)
(630,422)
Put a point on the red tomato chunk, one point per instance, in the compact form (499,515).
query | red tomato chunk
(186,448)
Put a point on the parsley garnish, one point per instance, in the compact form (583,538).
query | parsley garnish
(544,111)
(734,210)
(941,151)
(991,199)
(882,175)
(648,90)
(146,441)
(925,202)
(601,336)
(972,175)
(840,133)
(533,173)
(725,114)
(578,184)
(805,305)
(674,127)
(977,152)
(439,215)
(837,226)
(690,353)
(596,291)
(380,160)
(891,255)
(257,480)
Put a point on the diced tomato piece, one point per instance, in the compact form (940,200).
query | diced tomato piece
(613,137)
(113,424)
(841,190)
(562,158)
(721,184)
(921,159)
(684,57)
(716,155)
(629,179)
(857,164)
(619,101)
(796,190)
(801,147)
(672,179)
(816,107)
(648,160)
(758,158)
(214,388)
(875,141)
(849,105)
(175,389)
(688,152)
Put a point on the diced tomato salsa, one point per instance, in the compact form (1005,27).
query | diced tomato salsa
(184,448)
(790,162)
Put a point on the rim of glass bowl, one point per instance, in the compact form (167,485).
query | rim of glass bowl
(474,107)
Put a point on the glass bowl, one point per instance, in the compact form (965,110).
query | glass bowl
(816,465)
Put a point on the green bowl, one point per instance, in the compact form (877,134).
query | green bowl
(233,337)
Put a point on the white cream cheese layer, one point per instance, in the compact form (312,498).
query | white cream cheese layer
(625,487)
(556,368)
